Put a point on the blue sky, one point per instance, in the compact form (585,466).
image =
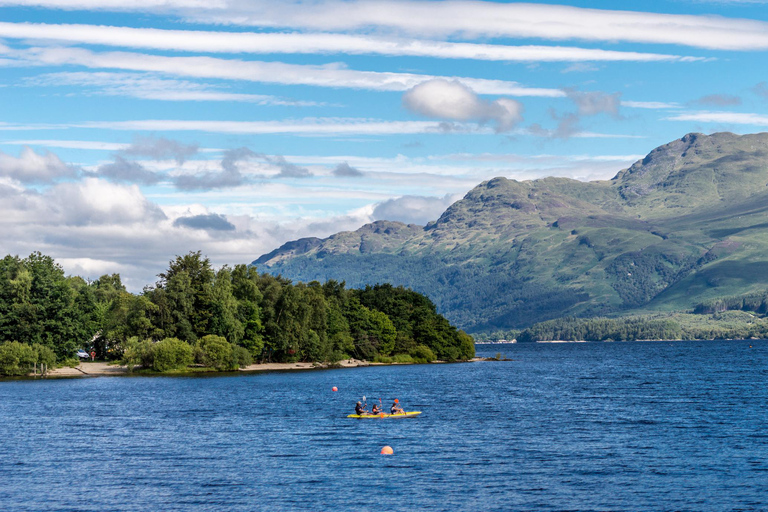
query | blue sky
(134,131)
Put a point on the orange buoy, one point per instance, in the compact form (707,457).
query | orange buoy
(387,450)
(334,388)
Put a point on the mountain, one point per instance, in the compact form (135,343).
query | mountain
(686,224)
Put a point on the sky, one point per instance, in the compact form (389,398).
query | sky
(131,132)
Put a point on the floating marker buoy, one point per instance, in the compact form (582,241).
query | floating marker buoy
(334,388)
(387,450)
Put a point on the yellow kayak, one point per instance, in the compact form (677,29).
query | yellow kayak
(385,415)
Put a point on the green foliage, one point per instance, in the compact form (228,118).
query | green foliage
(241,356)
(423,354)
(44,355)
(171,354)
(138,353)
(602,329)
(222,319)
(16,358)
(215,352)
(38,304)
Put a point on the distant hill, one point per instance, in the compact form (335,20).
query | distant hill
(687,224)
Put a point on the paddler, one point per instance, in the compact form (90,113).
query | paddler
(376,410)
(396,409)
(360,410)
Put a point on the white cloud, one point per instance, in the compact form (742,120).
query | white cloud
(452,100)
(454,18)
(71,144)
(414,209)
(722,117)
(311,126)
(316,127)
(95,201)
(328,75)
(31,167)
(652,105)
(250,42)
(151,87)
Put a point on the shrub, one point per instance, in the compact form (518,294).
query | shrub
(16,358)
(242,357)
(466,346)
(336,356)
(45,355)
(422,354)
(403,358)
(138,353)
(171,354)
(70,362)
(215,352)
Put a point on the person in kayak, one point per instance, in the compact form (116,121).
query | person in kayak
(376,410)
(360,410)
(396,409)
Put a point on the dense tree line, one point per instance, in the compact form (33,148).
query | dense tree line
(755,302)
(676,327)
(192,306)
(602,329)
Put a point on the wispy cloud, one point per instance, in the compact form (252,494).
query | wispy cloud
(454,18)
(722,117)
(328,75)
(150,86)
(652,105)
(315,127)
(317,43)
(718,100)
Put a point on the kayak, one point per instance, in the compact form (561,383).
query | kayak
(385,415)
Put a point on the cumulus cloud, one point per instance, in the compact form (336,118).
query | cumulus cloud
(128,171)
(95,201)
(210,222)
(32,167)
(413,209)
(452,100)
(718,100)
(160,148)
(344,170)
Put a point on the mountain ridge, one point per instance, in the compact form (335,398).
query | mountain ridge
(692,211)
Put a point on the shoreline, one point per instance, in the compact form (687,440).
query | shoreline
(102,369)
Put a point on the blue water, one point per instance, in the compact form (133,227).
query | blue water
(600,426)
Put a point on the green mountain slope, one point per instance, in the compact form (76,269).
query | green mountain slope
(686,224)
